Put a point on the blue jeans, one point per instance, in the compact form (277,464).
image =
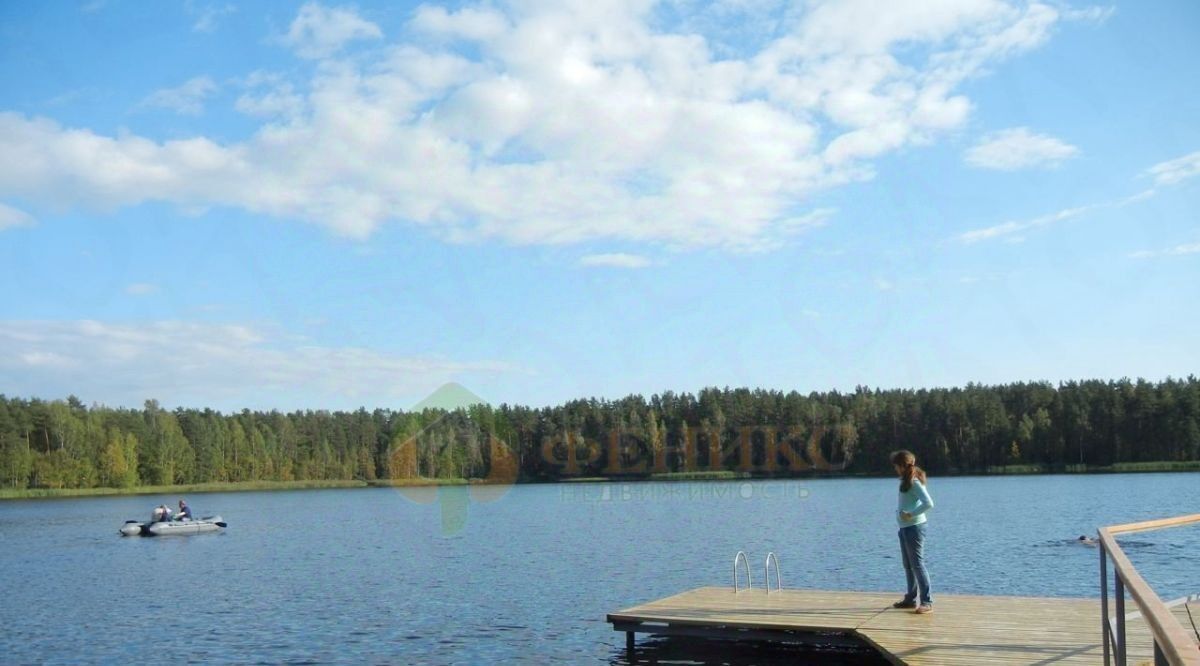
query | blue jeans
(912,548)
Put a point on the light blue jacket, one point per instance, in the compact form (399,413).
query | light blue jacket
(915,501)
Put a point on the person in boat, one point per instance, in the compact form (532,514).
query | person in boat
(185,511)
(157,515)
(166,513)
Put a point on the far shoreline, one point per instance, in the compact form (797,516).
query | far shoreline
(724,475)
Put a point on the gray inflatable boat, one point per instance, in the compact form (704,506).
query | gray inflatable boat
(181,527)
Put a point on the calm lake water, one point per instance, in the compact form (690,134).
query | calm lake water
(526,574)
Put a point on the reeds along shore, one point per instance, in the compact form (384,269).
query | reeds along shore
(33,493)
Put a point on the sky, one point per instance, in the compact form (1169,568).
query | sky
(312,205)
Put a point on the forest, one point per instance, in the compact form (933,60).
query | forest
(1033,426)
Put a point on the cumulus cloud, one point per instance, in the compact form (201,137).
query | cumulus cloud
(1176,170)
(269,95)
(319,32)
(473,24)
(615,260)
(44,159)
(182,363)
(187,99)
(561,122)
(11,217)
(1018,148)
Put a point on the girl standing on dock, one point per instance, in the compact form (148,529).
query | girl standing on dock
(914,503)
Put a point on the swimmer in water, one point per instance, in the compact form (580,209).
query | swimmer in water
(1086,540)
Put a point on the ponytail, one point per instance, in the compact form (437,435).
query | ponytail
(908,464)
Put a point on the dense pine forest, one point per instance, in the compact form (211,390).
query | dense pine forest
(1023,427)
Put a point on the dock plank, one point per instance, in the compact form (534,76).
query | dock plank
(963,629)
(786,609)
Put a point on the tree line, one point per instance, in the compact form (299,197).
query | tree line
(66,444)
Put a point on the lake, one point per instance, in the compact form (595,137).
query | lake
(527,573)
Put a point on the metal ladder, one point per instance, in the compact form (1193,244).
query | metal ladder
(767,573)
(741,556)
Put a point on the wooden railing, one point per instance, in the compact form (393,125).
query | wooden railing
(1173,644)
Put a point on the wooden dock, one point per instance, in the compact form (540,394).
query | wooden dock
(962,630)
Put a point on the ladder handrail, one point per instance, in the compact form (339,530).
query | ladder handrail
(741,555)
(767,573)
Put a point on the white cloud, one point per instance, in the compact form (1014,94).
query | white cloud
(1012,227)
(468,23)
(1164,173)
(206,16)
(1094,14)
(788,226)
(1134,198)
(875,26)
(269,95)
(184,363)
(142,289)
(46,359)
(615,260)
(319,32)
(187,99)
(560,122)
(1178,250)
(1176,170)
(11,217)
(1018,148)
(43,159)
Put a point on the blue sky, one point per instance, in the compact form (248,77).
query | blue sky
(304,205)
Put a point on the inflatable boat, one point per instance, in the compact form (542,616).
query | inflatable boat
(161,528)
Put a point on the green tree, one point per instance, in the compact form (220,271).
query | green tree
(118,467)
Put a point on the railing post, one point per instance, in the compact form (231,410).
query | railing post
(1160,659)
(1173,644)
(1105,634)
(1119,592)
